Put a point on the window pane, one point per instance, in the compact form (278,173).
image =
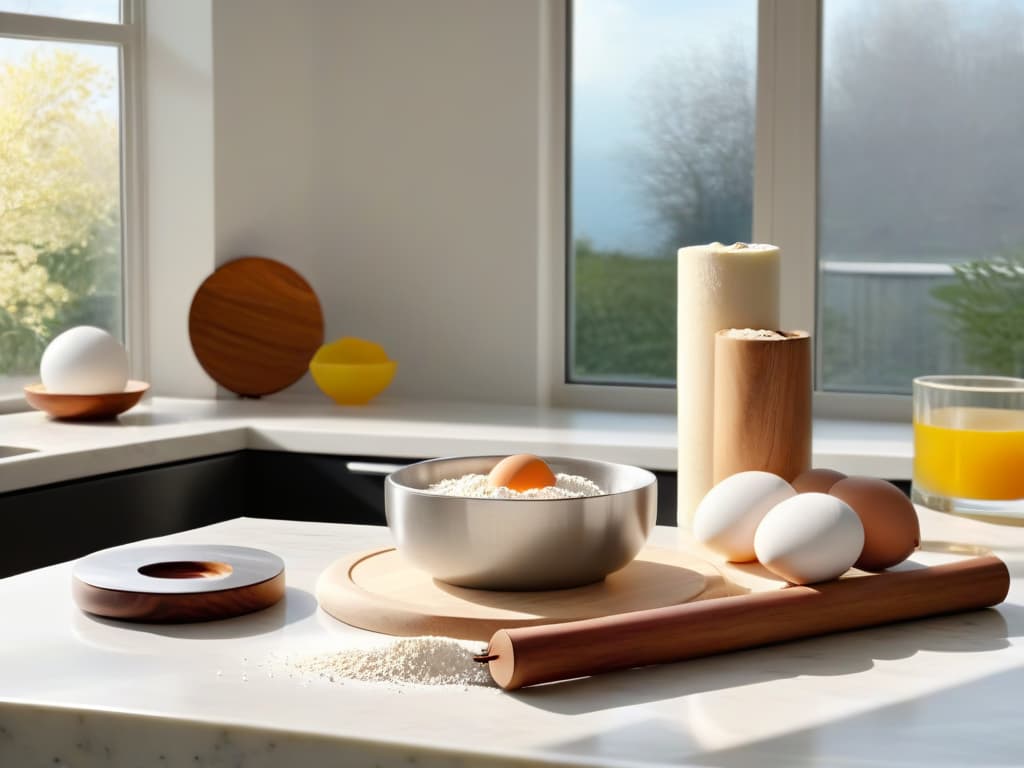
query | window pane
(921,232)
(661,156)
(60,233)
(81,10)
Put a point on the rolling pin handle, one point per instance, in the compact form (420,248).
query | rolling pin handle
(483,658)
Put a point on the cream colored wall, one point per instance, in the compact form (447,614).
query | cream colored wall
(265,160)
(388,150)
(179,186)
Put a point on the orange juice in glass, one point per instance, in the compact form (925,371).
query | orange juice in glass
(969,446)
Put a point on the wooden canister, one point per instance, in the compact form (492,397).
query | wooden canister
(762,408)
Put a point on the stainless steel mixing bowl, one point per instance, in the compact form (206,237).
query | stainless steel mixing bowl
(520,544)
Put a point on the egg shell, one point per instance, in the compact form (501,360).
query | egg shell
(728,515)
(816,480)
(891,527)
(808,538)
(84,361)
(521,472)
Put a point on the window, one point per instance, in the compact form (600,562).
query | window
(887,168)
(920,227)
(66,172)
(661,154)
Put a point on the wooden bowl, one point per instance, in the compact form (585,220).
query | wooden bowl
(85,407)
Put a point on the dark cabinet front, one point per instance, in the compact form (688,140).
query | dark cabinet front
(63,521)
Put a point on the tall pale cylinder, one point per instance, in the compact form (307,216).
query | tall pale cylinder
(720,286)
(762,402)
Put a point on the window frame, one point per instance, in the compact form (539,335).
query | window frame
(787,119)
(127,37)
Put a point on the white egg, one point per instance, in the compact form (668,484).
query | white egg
(809,538)
(728,515)
(84,361)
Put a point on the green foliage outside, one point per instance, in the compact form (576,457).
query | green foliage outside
(59,205)
(625,319)
(984,307)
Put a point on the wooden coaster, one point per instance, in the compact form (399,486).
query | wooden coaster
(254,325)
(380,591)
(168,584)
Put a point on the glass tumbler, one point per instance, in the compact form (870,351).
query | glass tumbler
(969,446)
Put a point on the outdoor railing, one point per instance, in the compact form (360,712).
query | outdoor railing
(880,326)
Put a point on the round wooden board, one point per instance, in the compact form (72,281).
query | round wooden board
(379,591)
(254,325)
(177,584)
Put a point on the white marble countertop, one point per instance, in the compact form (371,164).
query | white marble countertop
(164,430)
(77,691)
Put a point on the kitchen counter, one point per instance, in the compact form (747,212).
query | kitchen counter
(77,691)
(165,430)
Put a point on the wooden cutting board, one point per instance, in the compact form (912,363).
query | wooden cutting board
(380,591)
(254,325)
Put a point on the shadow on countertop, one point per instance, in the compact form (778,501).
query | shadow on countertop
(296,605)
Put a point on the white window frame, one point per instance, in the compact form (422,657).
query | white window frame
(785,203)
(128,37)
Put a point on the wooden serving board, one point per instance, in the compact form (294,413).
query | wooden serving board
(254,325)
(380,591)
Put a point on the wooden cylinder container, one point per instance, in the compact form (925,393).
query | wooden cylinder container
(762,407)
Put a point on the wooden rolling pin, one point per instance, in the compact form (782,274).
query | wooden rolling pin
(541,654)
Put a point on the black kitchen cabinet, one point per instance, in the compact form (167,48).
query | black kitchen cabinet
(52,523)
(63,521)
(316,487)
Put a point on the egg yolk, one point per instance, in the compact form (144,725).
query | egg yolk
(521,472)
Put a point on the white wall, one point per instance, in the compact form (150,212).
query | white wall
(388,150)
(264,86)
(179,191)
(265,159)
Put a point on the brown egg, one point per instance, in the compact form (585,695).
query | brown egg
(521,473)
(816,480)
(891,529)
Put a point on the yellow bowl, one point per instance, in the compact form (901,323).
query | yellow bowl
(352,371)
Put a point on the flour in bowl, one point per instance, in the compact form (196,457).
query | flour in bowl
(477,487)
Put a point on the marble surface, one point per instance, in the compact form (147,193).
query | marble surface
(78,691)
(165,430)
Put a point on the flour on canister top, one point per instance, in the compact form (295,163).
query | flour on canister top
(761,334)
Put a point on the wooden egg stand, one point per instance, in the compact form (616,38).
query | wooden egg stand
(85,407)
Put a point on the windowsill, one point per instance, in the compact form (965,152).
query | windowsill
(12,400)
(163,430)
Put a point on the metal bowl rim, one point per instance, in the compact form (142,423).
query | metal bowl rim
(651,479)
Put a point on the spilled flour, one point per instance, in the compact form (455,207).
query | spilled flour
(424,660)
